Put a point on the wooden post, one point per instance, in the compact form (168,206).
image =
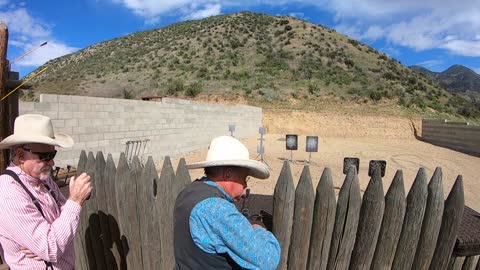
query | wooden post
(451,219)
(148,216)
(164,207)
(4,115)
(323,220)
(391,224)
(302,222)
(126,195)
(346,222)
(431,223)
(371,214)
(283,206)
(412,223)
(115,244)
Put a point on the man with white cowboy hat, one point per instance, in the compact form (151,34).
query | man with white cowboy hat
(38,223)
(209,231)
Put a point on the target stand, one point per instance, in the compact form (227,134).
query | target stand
(261,148)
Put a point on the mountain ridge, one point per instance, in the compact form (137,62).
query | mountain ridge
(456,78)
(276,62)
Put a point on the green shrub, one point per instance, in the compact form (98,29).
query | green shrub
(375,95)
(127,94)
(268,94)
(175,86)
(194,89)
(314,89)
(202,72)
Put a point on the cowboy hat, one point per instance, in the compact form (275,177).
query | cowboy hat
(35,128)
(228,151)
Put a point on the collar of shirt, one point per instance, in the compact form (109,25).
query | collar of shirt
(34,182)
(212,183)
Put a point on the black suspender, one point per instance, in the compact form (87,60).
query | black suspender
(34,200)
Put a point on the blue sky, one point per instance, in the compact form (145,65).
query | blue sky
(432,33)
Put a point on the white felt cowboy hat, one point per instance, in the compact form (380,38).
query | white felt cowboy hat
(228,151)
(35,128)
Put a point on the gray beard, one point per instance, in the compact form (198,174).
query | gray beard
(44,175)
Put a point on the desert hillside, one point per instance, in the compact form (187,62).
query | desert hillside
(275,62)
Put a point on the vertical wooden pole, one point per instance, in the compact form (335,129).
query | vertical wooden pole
(4,116)
(11,100)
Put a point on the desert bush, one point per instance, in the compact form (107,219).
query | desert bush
(375,95)
(127,94)
(314,88)
(194,89)
(202,72)
(268,94)
(174,86)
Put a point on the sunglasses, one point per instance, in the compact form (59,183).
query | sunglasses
(43,156)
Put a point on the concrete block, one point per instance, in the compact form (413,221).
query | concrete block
(65,115)
(92,144)
(71,122)
(84,122)
(66,130)
(58,124)
(84,107)
(41,107)
(79,145)
(25,107)
(48,98)
(79,130)
(51,114)
(64,99)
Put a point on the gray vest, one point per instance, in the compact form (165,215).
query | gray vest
(187,254)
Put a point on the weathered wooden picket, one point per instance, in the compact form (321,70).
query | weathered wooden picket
(128,221)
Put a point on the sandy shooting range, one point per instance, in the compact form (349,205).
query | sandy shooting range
(367,138)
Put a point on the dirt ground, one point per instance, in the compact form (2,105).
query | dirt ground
(367,138)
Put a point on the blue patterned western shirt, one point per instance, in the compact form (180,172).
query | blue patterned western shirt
(218,227)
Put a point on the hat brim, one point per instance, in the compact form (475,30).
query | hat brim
(256,169)
(60,139)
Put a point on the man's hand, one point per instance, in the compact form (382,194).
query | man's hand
(256,223)
(29,254)
(80,188)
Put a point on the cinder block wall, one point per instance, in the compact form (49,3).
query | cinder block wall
(459,136)
(173,127)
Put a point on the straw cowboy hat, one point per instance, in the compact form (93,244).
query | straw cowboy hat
(35,128)
(228,151)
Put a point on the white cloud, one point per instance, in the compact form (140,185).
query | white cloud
(430,63)
(20,22)
(420,25)
(373,32)
(207,11)
(45,53)
(463,47)
(152,9)
(299,15)
(27,33)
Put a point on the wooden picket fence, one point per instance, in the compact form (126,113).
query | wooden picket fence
(373,232)
(128,221)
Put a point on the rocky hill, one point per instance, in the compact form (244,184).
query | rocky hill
(276,62)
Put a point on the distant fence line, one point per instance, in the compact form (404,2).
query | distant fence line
(460,136)
(128,221)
